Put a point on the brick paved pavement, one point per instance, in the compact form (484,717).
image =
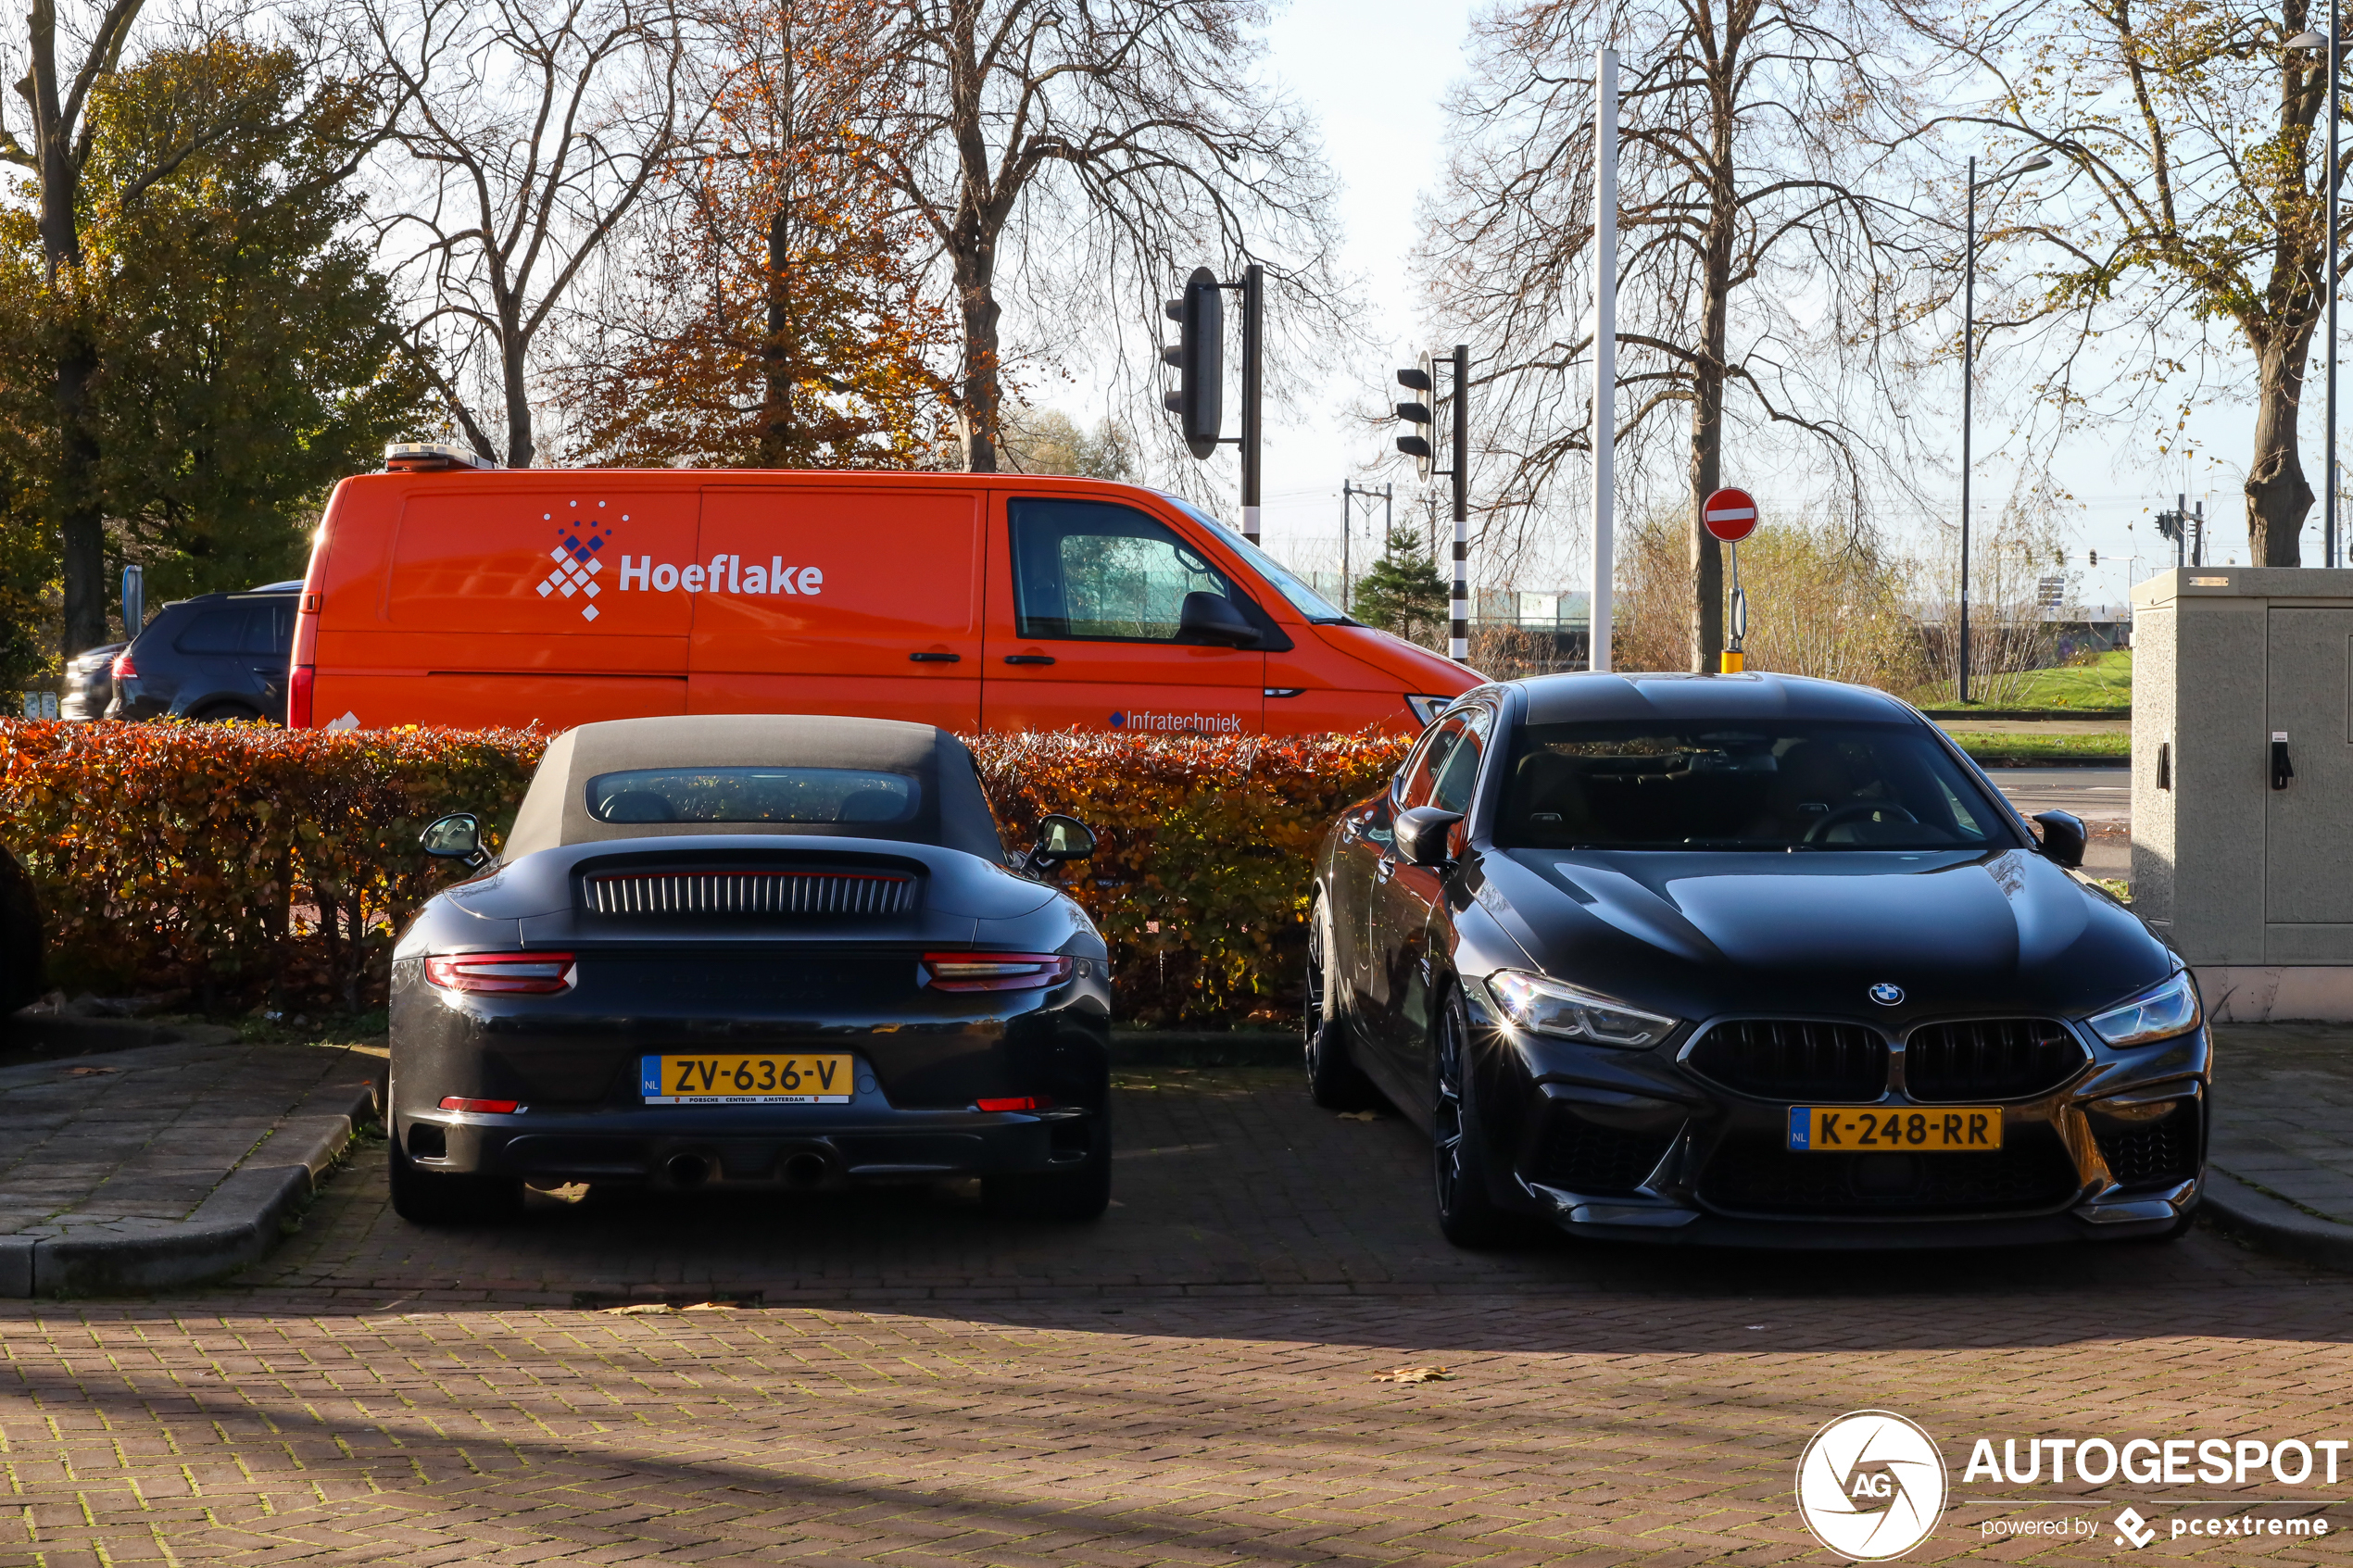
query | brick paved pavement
(2284,1112)
(1189,1383)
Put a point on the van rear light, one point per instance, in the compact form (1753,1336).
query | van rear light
(992,972)
(298,696)
(530,974)
(488,1106)
(122,668)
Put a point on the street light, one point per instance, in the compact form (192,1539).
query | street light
(1969,371)
(2310,39)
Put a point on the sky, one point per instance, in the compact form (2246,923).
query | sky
(1375,73)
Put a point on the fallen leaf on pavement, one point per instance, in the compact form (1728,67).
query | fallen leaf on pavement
(639,1309)
(1414,1374)
(1360,1115)
(711,1307)
(91,1072)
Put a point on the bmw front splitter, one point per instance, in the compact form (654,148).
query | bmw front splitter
(2116,1215)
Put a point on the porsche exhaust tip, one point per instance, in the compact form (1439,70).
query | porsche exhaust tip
(688,1170)
(805,1170)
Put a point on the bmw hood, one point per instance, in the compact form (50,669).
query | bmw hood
(1832,935)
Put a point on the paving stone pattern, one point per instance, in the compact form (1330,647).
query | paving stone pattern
(2283,1113)
(1191,1382)
(130,1142)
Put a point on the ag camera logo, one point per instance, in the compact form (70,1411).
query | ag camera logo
(1870,1485)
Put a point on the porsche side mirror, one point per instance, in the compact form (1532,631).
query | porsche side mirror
(2063,836)
(1421,836)
(456,837)
(1060,838)
(1214,618)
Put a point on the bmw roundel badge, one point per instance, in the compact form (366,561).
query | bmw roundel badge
(1887,996)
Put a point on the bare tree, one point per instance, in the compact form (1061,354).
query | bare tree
(1098,150)
(531,128)
(1759,245)
(2195,195)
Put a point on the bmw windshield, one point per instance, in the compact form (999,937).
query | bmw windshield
(1781,785)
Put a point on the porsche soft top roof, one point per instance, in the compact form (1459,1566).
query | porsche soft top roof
(953,813)
(1556,700)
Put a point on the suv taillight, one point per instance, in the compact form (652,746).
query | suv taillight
(530,974)
(122,668)
(992,972)
(298,697)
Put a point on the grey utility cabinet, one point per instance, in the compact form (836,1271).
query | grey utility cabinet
(2243,782)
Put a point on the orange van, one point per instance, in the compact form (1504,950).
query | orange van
(439,594)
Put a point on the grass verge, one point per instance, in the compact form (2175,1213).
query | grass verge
(2099,685)
(1994,747)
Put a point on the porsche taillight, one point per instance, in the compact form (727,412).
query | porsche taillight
(527,974)
(992,972)
(122,668)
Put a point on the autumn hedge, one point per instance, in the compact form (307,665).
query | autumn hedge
(237,865)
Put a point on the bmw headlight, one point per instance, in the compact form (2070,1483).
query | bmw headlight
(2171,1008)
(1547,1006)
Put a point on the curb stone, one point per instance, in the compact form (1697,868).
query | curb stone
(2276,1225)
(236,1224)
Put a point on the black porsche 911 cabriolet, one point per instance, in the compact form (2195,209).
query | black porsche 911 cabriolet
(1750,960)
(751,952)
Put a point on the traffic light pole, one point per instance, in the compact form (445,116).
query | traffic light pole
(1459,629)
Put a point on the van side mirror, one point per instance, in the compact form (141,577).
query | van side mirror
(2063,836)
(456,837)
(1421,836)
(1213,618)
(1060,838)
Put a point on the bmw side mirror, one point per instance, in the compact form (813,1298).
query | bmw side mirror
(1060,838)
(1421,836)
(456,837)
(2063,836)
(1213,619)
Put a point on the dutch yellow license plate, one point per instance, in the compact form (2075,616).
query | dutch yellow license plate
(1949,1129)
(745,1080)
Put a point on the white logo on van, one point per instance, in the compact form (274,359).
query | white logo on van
(723,574)
(1196,723)
(577,542)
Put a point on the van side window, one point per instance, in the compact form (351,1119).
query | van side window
(1095,571)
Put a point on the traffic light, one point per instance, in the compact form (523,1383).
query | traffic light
(1417,443)
(1198,355)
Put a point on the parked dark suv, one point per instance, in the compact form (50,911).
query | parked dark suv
(218,656)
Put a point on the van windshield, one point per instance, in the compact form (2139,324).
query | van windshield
(1771,785)
(1305,599)
(753,795)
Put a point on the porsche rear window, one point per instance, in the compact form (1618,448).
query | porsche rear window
(753,795)
(1771,785)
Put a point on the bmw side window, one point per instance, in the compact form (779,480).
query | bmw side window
(1460,771)
(1419,777)
(1091,570)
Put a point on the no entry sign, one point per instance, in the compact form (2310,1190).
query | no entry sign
(1731,515)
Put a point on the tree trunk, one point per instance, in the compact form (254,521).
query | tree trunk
(2277,495)
(775,428)
(519,447)
(78,510)
(976,291)
(1707,376)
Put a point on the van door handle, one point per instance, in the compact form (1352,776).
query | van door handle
(937,658)
(1029,658)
